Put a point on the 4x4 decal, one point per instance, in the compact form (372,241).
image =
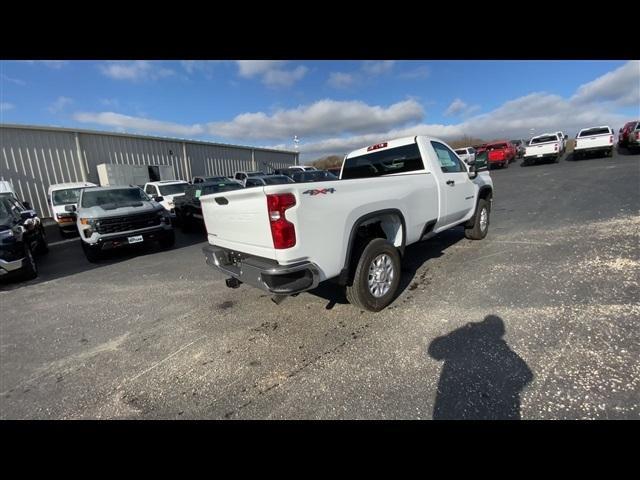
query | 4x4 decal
(318,191)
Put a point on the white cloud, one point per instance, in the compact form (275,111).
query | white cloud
(4,106)
(119,121)
(137,70)
(542,111)
(284,78)
(59,104)
(324,117)
(341,80)
(377,68)
(9,79)
(621,86)
(54,64)
(271,72)
(204,66)
(110,102)
(458,108)
(416,73)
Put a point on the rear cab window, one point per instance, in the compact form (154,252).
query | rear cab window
(590,132)
(402,159)
(544,139)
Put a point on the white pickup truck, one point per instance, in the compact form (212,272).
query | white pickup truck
(547,146)
(593,140)
(286,239)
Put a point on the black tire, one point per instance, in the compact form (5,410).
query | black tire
(43,246)
(93,254)
(476,232)
(168,240)
(186,224)
(29,269)
(358,293)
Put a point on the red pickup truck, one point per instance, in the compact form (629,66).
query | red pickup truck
(623,134)
(501,153)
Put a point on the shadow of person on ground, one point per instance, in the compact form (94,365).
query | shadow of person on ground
(481,377)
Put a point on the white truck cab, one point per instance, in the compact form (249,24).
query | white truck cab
(467,154)
(287,238)
(594,140)
(60,195)
(165,191)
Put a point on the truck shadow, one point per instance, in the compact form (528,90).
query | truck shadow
(68,259)
(415,256)
(481,377)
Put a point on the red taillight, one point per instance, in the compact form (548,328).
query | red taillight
(555,147)
(377,146)
(611,139)
(283,232)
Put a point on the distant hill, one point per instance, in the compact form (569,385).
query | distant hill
(328,162)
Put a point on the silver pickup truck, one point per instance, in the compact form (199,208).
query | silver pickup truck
(113,217)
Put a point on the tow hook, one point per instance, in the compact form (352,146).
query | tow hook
(278,299)
(233,282)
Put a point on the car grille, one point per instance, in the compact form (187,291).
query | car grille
(126,223)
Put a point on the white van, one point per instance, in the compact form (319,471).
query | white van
(60,195)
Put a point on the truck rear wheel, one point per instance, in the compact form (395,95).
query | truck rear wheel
(376,278)
(480,223)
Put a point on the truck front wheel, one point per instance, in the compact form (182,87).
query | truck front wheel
(480,223)
(92,253)
(376,278)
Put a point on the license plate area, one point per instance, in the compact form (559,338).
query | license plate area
(135,239)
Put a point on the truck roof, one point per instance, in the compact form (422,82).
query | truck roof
(166,182)
(64,186)
(398,142)
(111,187)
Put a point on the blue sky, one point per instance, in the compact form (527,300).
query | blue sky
(333,106)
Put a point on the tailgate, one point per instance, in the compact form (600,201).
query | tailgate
(541,149)
(594,141)
(239,220)
(496,155)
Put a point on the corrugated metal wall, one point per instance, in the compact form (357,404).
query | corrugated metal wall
(34,158)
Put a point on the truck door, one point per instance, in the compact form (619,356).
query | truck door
(458,191)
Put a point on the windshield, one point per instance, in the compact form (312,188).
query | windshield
(594,131)
(173,189)
(544,139)
(65,197)
(254,174)
(113,198)
(313,176)
(277,180)
(5,211)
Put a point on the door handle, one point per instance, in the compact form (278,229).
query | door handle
(451,182)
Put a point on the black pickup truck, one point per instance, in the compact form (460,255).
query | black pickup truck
(22,236)
(187,207)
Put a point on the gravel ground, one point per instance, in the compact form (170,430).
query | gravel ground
(537,321)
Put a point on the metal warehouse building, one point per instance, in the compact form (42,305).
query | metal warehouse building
(35,157)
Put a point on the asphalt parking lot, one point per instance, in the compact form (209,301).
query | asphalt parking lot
(538,321)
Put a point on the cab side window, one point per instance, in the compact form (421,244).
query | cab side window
(151,190)
(449,161)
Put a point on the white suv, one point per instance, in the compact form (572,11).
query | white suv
(165,191)
(466,154)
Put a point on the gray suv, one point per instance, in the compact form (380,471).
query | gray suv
(113,217)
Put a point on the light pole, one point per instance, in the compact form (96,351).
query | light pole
(296,141)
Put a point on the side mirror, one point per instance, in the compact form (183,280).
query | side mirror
(158,199)
(27,214)
(70,208)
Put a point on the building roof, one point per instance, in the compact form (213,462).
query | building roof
(135,135)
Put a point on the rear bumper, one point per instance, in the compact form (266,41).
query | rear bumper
(593,149)
(7,267)
(264,273)
(541,156)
